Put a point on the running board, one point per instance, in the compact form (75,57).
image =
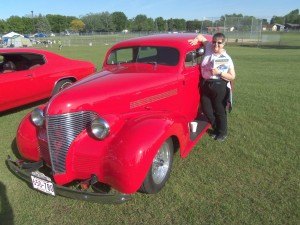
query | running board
(202,125)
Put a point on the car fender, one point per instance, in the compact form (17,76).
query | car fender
(26,139)
(131,153)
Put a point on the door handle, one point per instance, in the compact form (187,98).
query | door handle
(29,75)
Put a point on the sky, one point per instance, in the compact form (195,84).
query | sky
(180,9)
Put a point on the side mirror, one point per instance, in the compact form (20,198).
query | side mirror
(200,51)
(189,57)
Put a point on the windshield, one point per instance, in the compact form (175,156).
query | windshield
(146,54)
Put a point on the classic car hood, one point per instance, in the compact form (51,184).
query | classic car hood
(111,91)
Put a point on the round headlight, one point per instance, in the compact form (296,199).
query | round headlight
(37,117)
(100,128)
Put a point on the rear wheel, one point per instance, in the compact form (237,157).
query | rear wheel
(62,85)
(160,169)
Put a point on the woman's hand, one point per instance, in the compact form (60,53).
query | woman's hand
(216,71)
(229,75)
(193,41)
(196,40)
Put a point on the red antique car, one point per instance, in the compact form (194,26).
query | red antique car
(28,75)
(118,127)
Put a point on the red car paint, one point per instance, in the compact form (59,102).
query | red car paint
(144,104)
(36,74)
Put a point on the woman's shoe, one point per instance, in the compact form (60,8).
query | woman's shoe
(221,137)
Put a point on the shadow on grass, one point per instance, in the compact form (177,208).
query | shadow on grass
(14,149)
(6,212)
(279,47)
(270,46)
(24,107)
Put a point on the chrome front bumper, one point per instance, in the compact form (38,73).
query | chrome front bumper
(23,170)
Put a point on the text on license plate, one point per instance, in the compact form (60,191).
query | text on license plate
(43,185)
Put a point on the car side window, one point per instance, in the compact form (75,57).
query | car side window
(35,60)
(120,56)
(1,63)
(23,61)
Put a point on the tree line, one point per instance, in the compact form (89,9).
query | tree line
(118,21)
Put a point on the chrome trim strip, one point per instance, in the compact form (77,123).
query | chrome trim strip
(153,98)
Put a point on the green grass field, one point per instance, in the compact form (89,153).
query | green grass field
(252,178)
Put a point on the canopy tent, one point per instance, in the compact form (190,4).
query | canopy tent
(14,39)
(12,34)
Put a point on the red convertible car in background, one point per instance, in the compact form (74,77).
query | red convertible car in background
(28,75)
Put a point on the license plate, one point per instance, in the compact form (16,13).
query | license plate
(42,183)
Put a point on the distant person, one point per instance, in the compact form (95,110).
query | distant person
(217,70)
(59,45)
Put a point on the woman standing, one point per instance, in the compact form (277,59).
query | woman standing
(217,70)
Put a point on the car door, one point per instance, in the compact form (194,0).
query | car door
(44,75)
(16,88)
(190,85)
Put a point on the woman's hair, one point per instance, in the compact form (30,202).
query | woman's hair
(219,35)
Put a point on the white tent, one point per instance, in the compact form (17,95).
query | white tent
(14,39)
(12,34)
(18,42)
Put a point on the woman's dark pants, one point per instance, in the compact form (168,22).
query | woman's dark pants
(213,102)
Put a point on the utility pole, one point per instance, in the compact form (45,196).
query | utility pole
(203,19)
(32,22)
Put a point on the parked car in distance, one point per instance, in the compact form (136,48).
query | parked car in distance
(40,35)
(28,75)
(119,127)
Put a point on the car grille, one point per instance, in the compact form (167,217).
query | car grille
(61,131)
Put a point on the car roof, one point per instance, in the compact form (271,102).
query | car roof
(24,50)
(49,55)
(178,40)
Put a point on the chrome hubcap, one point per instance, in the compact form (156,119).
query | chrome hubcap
(161,164)
(65,85)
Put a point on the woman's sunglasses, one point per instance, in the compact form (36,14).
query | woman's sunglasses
(217,42)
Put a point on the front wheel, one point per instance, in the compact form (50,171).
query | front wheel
(61,85)
(160,169)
